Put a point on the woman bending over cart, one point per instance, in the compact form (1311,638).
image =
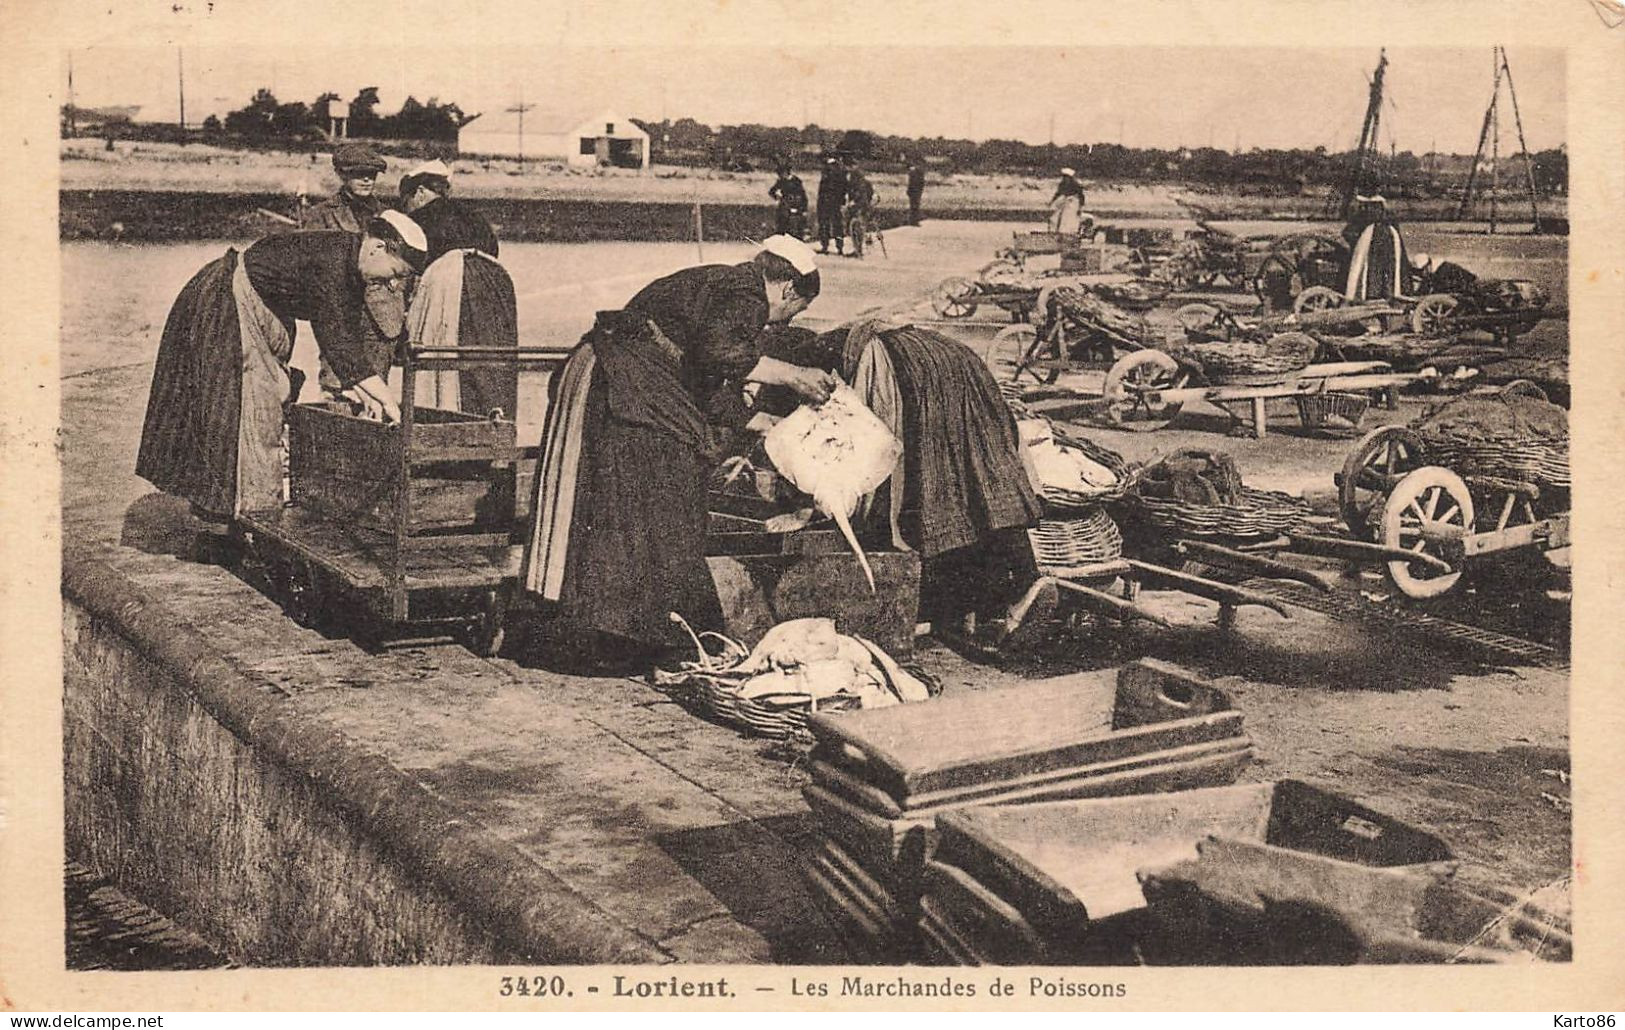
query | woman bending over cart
(214,424)
(635,422)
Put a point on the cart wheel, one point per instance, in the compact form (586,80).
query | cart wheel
(954,298)
(1198,319)
(1434,498)
(1317,298)
(1376,465)
(1523,388)
(1431,316)
(1132,379)
(1014,354)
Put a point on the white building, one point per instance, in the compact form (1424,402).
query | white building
(608,138)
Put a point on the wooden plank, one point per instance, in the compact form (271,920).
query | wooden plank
(1069,782)
(1221,592)
(982,916)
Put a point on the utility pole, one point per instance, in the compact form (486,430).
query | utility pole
(1052,128)
(73,121)
(520,109)
(180,78)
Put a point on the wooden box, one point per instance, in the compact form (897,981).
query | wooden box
(460,475)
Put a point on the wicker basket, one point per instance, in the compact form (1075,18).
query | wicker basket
(1086,540)
(1252,362)
(1065,503)
(1318,409)
(1540,461)
(1256,513)
(717,697)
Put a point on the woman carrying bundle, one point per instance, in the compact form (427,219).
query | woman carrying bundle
(634,422)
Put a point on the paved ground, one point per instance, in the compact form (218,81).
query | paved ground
(687,831)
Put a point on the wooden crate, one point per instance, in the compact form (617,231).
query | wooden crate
(349,469)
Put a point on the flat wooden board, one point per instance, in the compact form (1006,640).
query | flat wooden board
(361,558)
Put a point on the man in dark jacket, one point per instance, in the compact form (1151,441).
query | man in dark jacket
(916,189)
(792,198)
(831,198)
(354,205)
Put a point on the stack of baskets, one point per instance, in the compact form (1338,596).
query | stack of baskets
(1075,529)
(1252,362)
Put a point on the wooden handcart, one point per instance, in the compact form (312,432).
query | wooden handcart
(400,530)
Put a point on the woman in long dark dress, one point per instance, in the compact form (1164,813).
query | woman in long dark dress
(465,298)
(214,423)
(636,418)
(1376,266)
(960,496)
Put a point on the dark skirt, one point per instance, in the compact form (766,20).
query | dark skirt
(190,435)
(489,317)
(963,477)
(637,544)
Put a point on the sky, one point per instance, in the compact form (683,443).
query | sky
(782,62)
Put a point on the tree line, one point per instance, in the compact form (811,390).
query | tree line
(265,120)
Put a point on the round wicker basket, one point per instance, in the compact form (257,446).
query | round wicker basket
(1087,539)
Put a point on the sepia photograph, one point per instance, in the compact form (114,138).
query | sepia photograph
(898,502)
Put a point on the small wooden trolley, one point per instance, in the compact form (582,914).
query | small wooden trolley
(400,525)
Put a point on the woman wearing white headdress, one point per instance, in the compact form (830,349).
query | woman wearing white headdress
(1376,264)
(635,420)
(1066,206)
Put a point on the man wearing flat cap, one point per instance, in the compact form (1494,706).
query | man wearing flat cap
(358,167)
(354,205)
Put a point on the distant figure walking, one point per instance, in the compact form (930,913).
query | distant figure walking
(831,198)
(860,209)
(916,189)
(792,198)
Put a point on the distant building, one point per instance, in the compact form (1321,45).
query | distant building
(607,139)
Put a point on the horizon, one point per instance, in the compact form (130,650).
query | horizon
(1317,97)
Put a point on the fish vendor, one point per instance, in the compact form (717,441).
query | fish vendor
(1066,205)
(464,299)
(354,205)
(637,417)
(960,495)
(214,425)
(1376,265)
